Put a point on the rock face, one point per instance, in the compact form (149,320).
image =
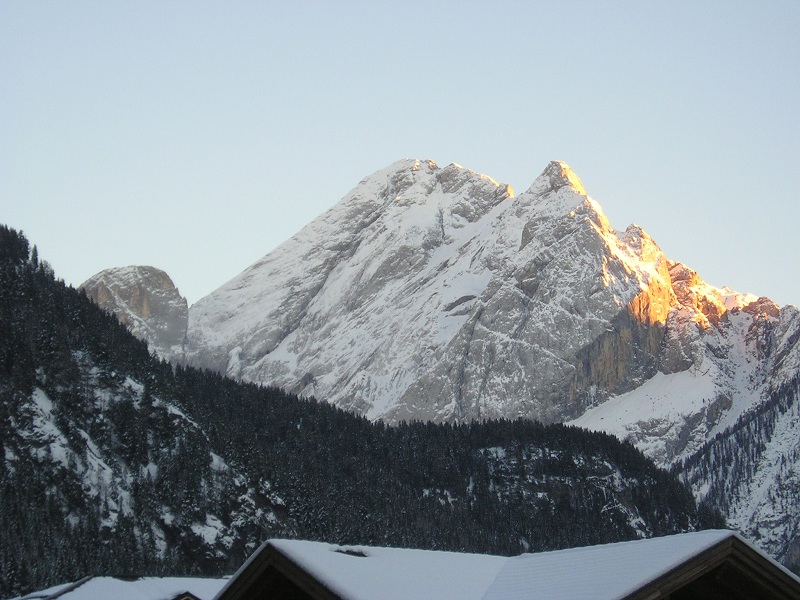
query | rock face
(146,301)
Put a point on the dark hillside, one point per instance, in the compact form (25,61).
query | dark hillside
(115,462)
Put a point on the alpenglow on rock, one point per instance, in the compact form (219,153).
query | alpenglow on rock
(433,293)
(146,301)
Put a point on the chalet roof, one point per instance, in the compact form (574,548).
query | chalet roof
(707,561)
(139,588)
(620,569)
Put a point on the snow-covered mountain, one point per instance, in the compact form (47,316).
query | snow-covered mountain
(435,294)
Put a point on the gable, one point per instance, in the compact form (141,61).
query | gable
(275,577)
(730,570)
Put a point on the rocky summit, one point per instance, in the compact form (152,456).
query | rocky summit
(145,300)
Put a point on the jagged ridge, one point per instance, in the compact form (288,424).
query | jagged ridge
(433,294)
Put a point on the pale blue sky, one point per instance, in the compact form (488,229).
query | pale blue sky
(196,136)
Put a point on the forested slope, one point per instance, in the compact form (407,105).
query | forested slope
(115,462)
(749,472)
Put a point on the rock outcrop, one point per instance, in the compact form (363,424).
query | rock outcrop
(145,300)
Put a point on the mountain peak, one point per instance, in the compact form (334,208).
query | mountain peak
(145,300)
(557,175)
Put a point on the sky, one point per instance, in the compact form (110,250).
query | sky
(197,136)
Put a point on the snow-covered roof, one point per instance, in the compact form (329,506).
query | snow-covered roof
(143,588)
(390,573)
(617,569)
(604,571)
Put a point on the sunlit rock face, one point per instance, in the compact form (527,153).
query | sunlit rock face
(146,301)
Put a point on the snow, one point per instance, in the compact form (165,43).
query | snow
(145,588)
(394,574)
(43,432)
(174,411)
(218,464)
(670,416)
(160,540)
(209,531)
(603,571)
(764,508)
(651,414)
(166,515)
(10,456)
(41,400)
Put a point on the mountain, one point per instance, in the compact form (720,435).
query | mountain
(436,294)
(146,301)
(116,462)
(751,472)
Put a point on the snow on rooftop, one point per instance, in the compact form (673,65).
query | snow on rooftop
(384,572)
(603,571)
(143,588)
